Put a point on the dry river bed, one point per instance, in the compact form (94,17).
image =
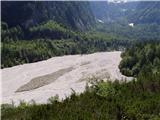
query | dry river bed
(57,76)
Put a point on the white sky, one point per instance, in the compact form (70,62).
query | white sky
(133,0)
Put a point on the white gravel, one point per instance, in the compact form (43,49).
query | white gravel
(96,64)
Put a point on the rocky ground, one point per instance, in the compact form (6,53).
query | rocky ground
(57,76)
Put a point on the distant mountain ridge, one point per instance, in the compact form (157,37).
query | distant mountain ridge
(146,12)
(80,15)
(77,15)
(138,12)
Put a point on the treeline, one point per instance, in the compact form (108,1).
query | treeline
(52,39)
(143,56)
(135,100)
(20,52)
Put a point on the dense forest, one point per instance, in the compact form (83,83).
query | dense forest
(138,99)
(52,39)
(141,57)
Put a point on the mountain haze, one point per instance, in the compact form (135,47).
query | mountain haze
(139,12)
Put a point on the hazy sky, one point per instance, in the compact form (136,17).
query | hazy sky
(133,0)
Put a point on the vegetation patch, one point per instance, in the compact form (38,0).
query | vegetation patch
(141,57)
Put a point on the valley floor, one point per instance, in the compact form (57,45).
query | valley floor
(57,76)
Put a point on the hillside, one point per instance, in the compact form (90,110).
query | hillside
(75,15)
(146,13)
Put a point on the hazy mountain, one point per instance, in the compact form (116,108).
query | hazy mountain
(139,12)
(146,12)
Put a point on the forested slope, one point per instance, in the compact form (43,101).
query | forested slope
(52,39)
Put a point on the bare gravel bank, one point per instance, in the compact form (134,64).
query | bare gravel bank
(57,76)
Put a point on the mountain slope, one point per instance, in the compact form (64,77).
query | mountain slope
(146,12)
(76,15)
(136,12)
